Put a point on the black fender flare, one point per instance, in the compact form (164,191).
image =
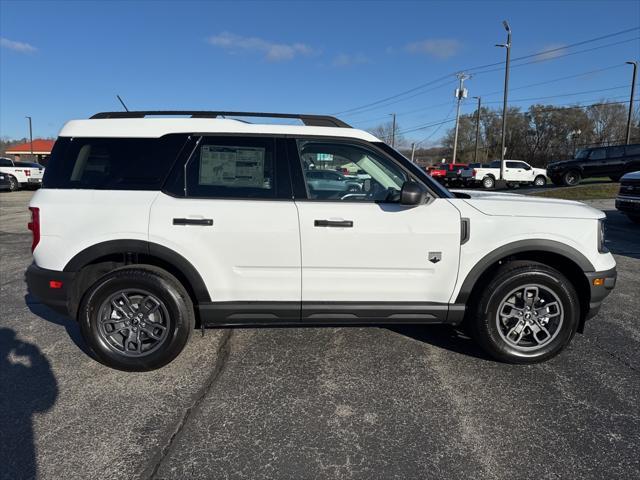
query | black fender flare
(533,245)
(114,247)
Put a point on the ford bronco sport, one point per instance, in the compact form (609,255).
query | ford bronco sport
(148,227)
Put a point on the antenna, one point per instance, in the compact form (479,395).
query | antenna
(125,107)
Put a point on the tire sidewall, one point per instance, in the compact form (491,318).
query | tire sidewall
(568,175)
(488,182)
(497,346)
(180,320)
(539,181)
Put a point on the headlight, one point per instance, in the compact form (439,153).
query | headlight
(601,231)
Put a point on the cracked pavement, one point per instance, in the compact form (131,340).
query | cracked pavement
(357,403)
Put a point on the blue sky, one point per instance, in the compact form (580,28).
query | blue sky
(65,60)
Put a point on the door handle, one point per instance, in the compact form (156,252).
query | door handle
(205,222)
(333,223)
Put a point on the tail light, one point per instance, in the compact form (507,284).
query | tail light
(474,172)
(34,226)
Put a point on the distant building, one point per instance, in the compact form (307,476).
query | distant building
(41,151)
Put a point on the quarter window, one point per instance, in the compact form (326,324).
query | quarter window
(346,172)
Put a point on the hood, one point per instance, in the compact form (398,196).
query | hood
(515,205)
(631,176)
(559,163)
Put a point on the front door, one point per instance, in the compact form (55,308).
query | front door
(362,250)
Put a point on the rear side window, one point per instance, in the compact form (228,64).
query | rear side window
(632,150)
(597,154)
(615,152)
(112,163)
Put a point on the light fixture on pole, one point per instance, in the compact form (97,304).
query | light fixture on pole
(461,93)
(30,135)
(506,93)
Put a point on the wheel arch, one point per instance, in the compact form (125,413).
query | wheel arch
(567,260)
(97,260)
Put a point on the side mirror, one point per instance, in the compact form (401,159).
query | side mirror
(412,193)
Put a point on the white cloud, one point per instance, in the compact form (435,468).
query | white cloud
(439,48)
(20,47)
(273,52)
(551,51)
(346,60)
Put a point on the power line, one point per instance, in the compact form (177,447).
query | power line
(432,82)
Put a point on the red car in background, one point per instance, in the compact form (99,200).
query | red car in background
(447,173)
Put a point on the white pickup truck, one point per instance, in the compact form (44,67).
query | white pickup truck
(515,172)
(22,174)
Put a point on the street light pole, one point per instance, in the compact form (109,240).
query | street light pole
(506,93)
(393,130)
(460,94)
(30,136)
(633,91)
(475,156)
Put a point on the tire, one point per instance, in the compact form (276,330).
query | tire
(497,334)
(140,342)
(511,186)
(14,185)
(488,182)
(571,178)
(539,181)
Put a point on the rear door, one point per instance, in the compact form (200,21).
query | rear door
(615,163)
(230,212)
(595,165)
(363,254)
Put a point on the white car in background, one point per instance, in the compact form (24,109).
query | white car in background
(516,172)
(21,174)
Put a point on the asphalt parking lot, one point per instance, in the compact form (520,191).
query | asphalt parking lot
(356,403)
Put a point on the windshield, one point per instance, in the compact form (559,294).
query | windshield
(582,154)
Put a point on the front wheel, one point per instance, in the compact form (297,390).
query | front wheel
(571,178)
(136,318)
(540,181)
(488,182)
(528,313)
(14,185)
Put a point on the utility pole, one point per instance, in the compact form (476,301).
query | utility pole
(506,93)
(413,152)
(393,130)
(460,94)
(475,156)
(30,136)
(633,91)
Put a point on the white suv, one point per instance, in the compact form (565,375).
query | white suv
(146,227)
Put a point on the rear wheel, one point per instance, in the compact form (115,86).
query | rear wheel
(137,319)
(488,182)
(571,178)
(528,313)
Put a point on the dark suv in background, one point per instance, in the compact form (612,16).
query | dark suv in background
(613,162)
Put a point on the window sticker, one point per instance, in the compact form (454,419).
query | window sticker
(232,166)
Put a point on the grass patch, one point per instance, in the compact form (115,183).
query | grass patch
(582,192)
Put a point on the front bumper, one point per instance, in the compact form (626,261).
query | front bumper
(51,287)
(601,291)
(628,204)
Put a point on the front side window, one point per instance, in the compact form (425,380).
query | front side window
(228,167)
(347,172)
(582,154)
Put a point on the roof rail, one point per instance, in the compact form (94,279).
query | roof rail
(308,120)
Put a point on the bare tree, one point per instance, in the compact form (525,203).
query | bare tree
(384,133)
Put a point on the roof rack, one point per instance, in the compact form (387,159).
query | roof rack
(308,120)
